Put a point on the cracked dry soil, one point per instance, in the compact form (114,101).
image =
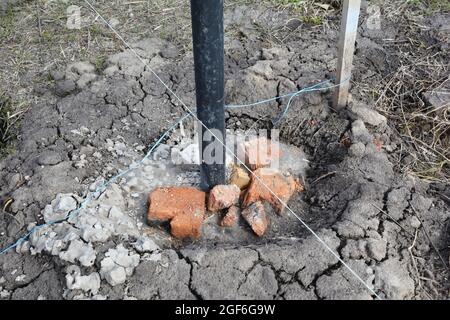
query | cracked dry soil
(386,226)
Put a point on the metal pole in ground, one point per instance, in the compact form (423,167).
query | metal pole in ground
(208,44)
(346,48)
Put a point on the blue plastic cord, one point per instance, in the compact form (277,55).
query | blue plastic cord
(276,98)
(291,95)
(98,190)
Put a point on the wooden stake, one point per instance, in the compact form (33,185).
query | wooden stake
(347,38)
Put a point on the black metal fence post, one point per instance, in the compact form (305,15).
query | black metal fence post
(208,43)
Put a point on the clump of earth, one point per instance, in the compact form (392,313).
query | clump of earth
(387,227)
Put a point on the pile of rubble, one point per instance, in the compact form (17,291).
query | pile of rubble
(246,194)
(106,239)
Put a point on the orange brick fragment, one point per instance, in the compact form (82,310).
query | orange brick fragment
(281,186)
(187,225)
(256,217)
(230,218)
(223,196)
(184,206)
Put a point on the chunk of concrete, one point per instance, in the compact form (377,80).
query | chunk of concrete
(79,251)
(118,264)
(88,283)
(59,207)
(145,244)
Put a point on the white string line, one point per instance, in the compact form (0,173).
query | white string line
(235,156)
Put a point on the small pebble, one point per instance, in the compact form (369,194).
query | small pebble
(414,222)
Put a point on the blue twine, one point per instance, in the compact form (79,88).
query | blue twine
(308,89)
(97,191)
(103,186)
(291,95)
(276,98)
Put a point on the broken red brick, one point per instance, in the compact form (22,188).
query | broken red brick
(256,217)
(166,203)
(230,218)
(281,186)
(259,152)
(240,177)
(222,197)
(184,206)
(187,225)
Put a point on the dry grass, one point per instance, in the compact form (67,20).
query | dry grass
(9,122)
(34,39)
(297,14)
(422,68)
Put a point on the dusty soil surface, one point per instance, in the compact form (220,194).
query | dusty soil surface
(91,123)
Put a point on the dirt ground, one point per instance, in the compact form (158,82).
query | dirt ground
(83,108)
